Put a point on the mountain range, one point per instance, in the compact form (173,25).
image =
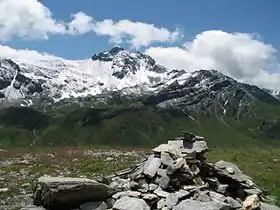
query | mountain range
(119,97)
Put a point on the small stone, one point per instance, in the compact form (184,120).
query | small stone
(163,182)
(161,203)
(161,193)
(133,185)
(265,206)
(119,195)
(222,188)
(151,166)
(251,202)
(233,203)
(149,196)
(182,194)
(176,143)
(164,208)
(171,200)
(161,148)
(202,196)
(253,191)
(109,158)
(152,187)
(166,159)
(4,189)
(162,172)
(128,203)
(94,206)
(217,196)
(230,170)
(133,193)
(197,205)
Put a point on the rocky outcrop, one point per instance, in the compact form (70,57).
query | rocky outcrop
(176,176)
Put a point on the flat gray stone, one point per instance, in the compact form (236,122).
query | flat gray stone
(265,206)
(182,194)
(197,205)
(161,193)
(222,167)
(151,166)
(163,182)
(171,200)
(149,196)
(161,203)
(128,203)
(56,192)
(222,188)
(202,196)
(233,203)
(176,143)
(217,196)
(253,191)
(94,206)
(166,159)
(152,187)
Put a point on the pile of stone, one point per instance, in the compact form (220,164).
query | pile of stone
(175,176)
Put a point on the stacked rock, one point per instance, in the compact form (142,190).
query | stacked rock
(176,176)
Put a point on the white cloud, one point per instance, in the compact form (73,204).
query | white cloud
(31,19)
(80,24)
(27,19)
(239,55)
(136,33)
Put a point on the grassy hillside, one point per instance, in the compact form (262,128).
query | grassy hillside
(134,125)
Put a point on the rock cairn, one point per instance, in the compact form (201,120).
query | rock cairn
(176,176)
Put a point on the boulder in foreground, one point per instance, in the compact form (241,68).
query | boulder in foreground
(66,192)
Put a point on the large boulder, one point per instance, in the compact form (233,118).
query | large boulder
(66,192)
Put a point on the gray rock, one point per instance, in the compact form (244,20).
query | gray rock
(128,203)
(32,207)
(58,192)
(193,205)
(110,202)
(202,196)
(182,194)
(217,196)
(149,196)
(162,172)
(161,148)
(171,200)
(265,206)
(94,206)
(222,188)
(197,147)
(161,193)
(151,166)
(179,163)
(253,191)
(166,159)
(163,182)
(234,204)
(176,143)
(152,187)
(222,167)
(161,203)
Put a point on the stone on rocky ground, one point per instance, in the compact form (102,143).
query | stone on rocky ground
(254,191)
(182,194)
(176,143)
(171,200)
(226,168)
(234,204)
(152,187)
(128,203)
(161,193)
(222,188)
(197,205)
(94,206)
(161,203)
(58,192)
(149,196)
(265,206)
(217,196)
(151,166)
(202,196)
(166,159)
(251,202)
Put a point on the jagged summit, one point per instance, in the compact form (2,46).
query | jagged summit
(129,73)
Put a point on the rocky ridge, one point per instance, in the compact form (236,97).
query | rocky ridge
(176,176)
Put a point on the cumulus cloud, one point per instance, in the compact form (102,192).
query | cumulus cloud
(81,24)
(31,19)
(239,55)
(136,33)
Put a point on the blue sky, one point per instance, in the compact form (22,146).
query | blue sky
(239,38)
(192,17)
